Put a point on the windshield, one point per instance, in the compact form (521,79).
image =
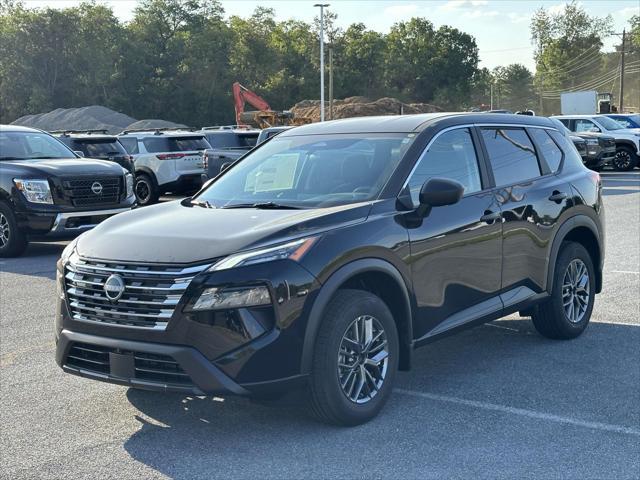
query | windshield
(631,121)
(310,171)
(232,140)
(175,144)
(609,124)
(101,148)
(31,145)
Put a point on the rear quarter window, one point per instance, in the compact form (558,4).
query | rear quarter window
(547,148)
(572,159)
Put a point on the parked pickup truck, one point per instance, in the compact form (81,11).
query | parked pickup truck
(596,149)
(228,143)
(48,192)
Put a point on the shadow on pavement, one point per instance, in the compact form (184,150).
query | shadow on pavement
(33,261)
(505,363)
(609,190)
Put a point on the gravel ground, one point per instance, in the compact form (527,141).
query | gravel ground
(498,401)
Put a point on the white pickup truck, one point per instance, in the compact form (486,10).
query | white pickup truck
(165,160)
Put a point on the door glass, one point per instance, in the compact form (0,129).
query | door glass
(548,148)
(130,144)
(452,156)
(512,156)
(586,126)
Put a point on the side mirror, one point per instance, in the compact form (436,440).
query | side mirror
(80,153)
(438,192)
(594,130)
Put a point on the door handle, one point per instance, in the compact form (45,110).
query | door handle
(558,196)
(490,217)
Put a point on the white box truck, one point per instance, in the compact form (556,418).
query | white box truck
(579,103)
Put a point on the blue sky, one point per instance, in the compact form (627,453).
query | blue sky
(501,27)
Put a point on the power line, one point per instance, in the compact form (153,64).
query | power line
(585,84)
(573,62)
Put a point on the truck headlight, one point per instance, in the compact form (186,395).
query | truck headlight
(228,298)
(293,250)
(592,141)
(35,191)
(128,180)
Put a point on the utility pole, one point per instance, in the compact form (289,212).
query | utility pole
(540,93)
(321,5)
(621,101)
(331,82)
(491,101)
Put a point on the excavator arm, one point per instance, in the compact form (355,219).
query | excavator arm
(263,116)
(242,95)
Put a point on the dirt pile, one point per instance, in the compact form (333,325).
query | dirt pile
(88,118)
(361,107)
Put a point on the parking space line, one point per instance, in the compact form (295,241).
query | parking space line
(604,427)
(628,272)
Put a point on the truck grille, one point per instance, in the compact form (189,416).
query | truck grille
(148,300)
(93,191)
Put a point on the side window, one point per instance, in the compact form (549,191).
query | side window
(130,144)
(566,122)
(572,158)
(512,156)
(585,126)
(453,156)
(548,148)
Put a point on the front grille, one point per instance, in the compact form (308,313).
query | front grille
(150,294)
(81,191)
(159,368)
(609,143)
(149,367)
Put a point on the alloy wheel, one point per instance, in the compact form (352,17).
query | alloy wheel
(143,191)
(622,160)
(575,291)
(363,359)
(4,230)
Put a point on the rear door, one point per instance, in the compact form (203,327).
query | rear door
(456,249)
(532,198)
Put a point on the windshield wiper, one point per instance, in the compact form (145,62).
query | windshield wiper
(263,206)
(202,203)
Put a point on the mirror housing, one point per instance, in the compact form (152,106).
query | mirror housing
(438,192)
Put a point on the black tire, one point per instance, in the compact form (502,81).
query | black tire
(550,318)
(13,241)
(625,159)
(145,189)
(329,402)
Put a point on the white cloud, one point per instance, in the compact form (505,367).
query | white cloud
(462,4)
(401,10)
(518,18)
(627,13)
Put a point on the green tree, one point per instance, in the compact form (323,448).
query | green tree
(514,88)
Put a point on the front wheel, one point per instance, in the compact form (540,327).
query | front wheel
(625,159)
(355,359)
(145,190)
(13,241)
(567,312)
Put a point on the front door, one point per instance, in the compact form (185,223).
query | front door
(456,257)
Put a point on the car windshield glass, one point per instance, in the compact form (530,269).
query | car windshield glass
(31,145)
(311,171)
(631,121)
(101,148)
(175,144)
(609,124)
(232,140)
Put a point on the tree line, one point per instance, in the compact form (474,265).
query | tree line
(177,59)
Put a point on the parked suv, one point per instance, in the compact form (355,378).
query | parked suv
(96,144)
(327,254)
(627,139)
(47,192)
(596,149)
(166,160)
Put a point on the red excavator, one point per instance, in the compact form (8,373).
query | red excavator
(264,116)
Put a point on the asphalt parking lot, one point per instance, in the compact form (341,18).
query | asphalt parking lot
(498,401)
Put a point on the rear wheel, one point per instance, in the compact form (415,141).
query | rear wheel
(625,159)
(146,190)
(13,241)
(355,359)
(567,312)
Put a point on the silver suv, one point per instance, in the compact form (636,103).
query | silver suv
(165,160)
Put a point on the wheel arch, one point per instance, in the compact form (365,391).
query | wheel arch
(147,171)
(583,230)
(626,143)
(376,276)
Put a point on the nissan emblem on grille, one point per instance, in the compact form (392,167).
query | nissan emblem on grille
(114,287)
(96,187)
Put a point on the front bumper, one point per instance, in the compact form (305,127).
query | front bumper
(600,158)
(142,365)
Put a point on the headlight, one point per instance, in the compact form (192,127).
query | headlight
(293,250)
(68,251)
(128,180)
(592,141)
(35,191)
(228,298)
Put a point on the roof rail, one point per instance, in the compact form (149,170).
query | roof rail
(227,127)
(89,132)
(158,131)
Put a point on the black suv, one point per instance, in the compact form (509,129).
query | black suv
(327,254)
(47,192)
(96,144)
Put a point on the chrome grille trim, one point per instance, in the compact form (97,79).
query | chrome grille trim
(150,296)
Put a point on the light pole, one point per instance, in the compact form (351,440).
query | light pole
(321,5)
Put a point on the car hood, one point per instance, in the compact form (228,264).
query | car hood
(625,131)
(67,167)
(181,233)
